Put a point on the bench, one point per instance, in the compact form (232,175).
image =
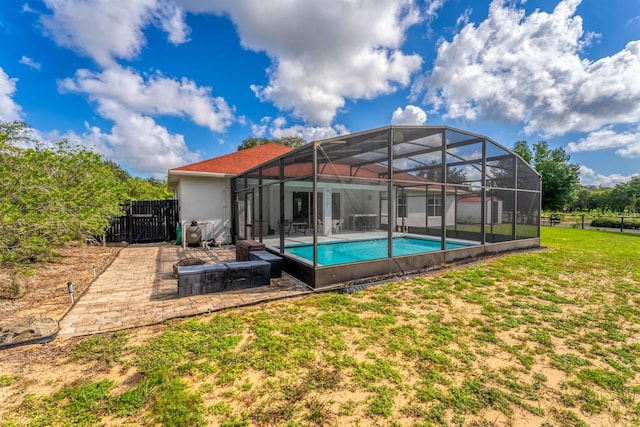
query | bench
(550,220)
(210,278)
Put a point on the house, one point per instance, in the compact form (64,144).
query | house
(204,191)
(384,201)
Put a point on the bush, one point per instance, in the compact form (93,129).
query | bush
(616,223)
(49,196)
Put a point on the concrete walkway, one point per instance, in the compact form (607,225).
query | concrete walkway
(138,289)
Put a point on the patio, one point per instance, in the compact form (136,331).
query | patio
(138,289)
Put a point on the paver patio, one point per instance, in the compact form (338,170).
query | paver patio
(138,289)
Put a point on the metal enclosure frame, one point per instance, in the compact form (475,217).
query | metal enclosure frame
(421,182)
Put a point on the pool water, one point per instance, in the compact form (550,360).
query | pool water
(332,253)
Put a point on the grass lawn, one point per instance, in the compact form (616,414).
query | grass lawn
(547,338)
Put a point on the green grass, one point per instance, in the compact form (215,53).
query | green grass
(551,334)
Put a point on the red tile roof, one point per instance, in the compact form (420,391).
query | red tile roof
(474,199)
(239,161)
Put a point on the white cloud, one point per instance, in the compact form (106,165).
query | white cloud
(518,68)
(131,102)
(171,19)
(278,128)
(323,53)
(411,115)
(104,30)
(9,110)
(463,19)
(29,62)
(590,177)
(627,143)
(157,95)
(138,142)
(431,9)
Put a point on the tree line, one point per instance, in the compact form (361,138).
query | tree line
(53,195)
(623,199)
(561,191)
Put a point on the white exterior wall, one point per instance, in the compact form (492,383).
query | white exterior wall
(208,201)
(417,211)
(469,212)
(450,210)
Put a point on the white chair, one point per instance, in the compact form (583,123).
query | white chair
(334,226)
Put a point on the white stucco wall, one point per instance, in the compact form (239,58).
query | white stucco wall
(208,201)
(469,212)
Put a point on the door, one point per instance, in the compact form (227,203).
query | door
(301,206)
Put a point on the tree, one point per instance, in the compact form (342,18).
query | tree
(559,177)
(253,142)
(147,189)
(522,148)
(625,197)
(287,141)
(433,172)
(137,188)
(49,196)
(290,141)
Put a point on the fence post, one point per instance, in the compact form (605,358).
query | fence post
(582,221)
(621,224)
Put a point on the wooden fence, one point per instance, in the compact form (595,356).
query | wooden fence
(145,221)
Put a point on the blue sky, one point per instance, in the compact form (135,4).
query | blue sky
(155,84)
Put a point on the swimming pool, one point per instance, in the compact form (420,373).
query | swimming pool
(332,253)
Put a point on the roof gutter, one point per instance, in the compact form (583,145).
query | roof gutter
(174,176)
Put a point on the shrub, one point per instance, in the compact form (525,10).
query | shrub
(49,196)
(616,223)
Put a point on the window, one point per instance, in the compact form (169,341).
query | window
(402,206)
(434,206)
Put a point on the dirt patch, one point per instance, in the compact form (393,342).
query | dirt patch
(45,296)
